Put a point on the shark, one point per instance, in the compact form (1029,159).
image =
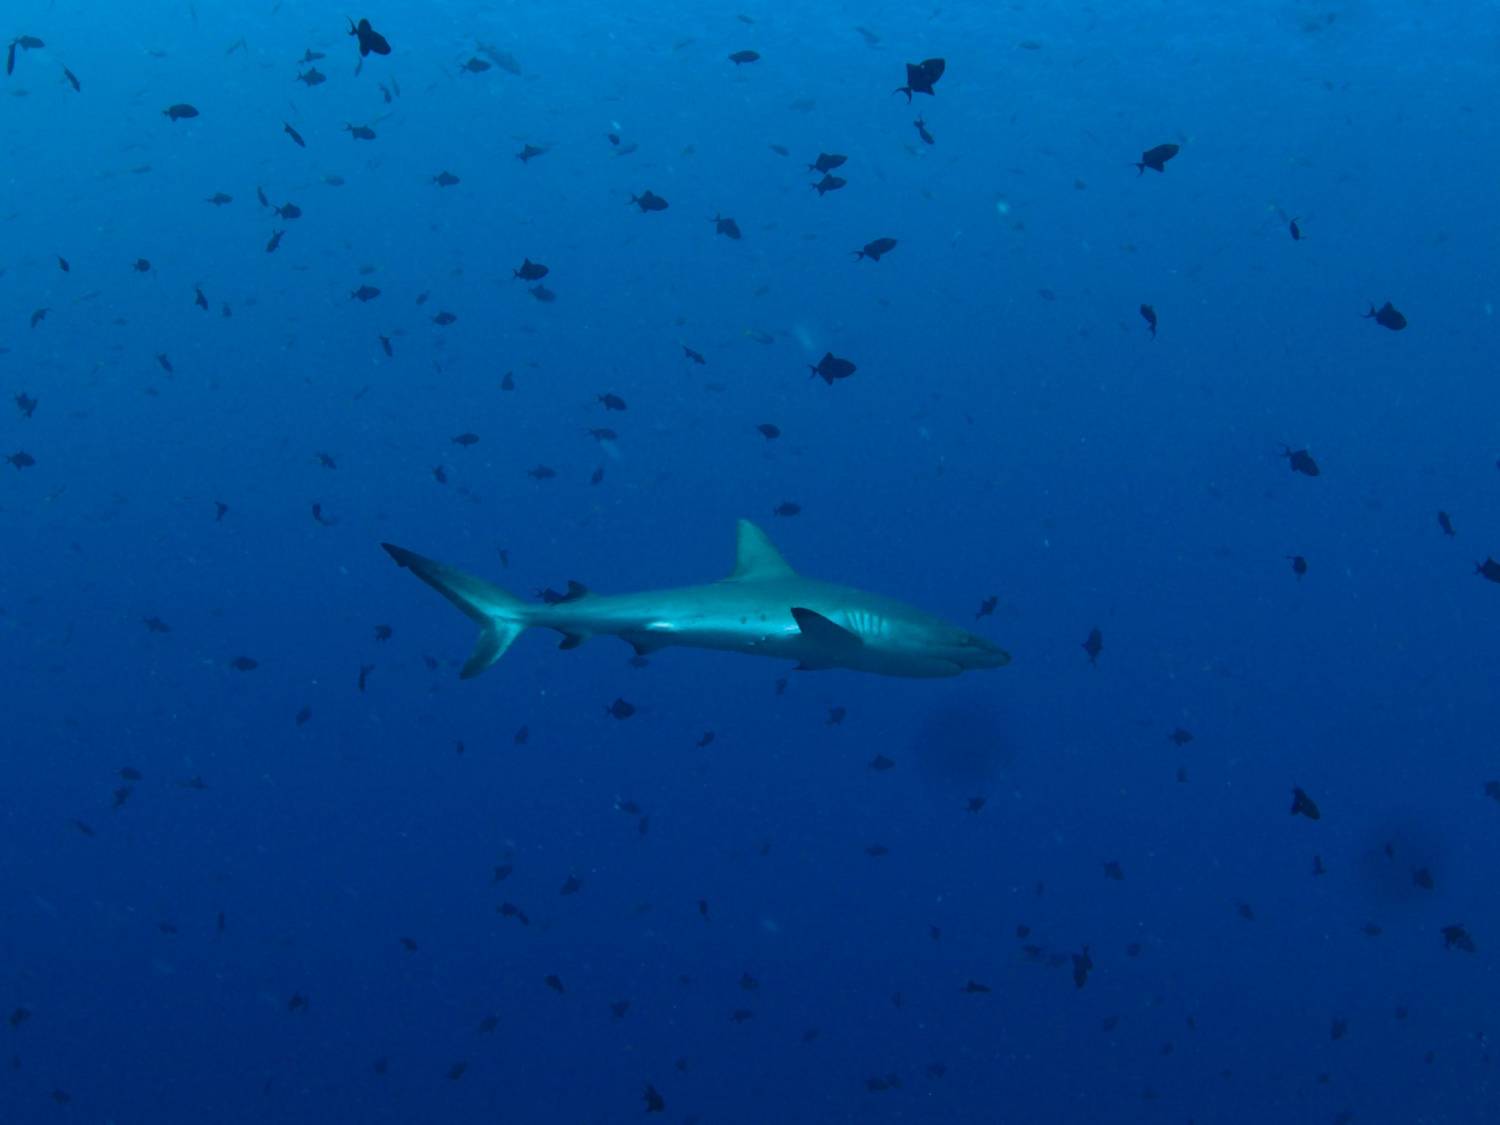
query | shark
(763,608)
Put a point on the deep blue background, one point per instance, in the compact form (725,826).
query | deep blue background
(993,441)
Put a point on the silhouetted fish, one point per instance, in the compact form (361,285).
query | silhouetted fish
(1094,645)
(827,162)
(649,201)
(740,58)
(1148,314)
(370,40)
(530,271)
(1387,316)
(727,227)
(1156,158)
(874,250)
(1301,461)
(828,183)
(831,367)
(920,77)
(179,112)
(1303,805)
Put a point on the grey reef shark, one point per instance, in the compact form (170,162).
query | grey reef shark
(764,608)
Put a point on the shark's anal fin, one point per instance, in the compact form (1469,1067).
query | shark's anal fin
(827,635)
(756,558)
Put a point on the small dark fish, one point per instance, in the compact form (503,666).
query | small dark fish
(921,127)
(1457,937)
(511,910)
(288,211)
(218,199)
(296,136)
(503,872)
(649,201)
(466,439)
(21,459)
(528,152)
(199,299)
(836,715)
(179,112)
(1422,877)
(62,264)
(1148,314)
(303,716)
(488,1024)
(828,183)
(1387,316)
(530,271)
(787,508)
(542,294)
(221,510)
(25,404)
(620,709)
(1303,805)
(880,763)
(18,1017)
(10,59)
(975,988)
(475,66)
(310,55)
(1446,523)
(974,804)
(874,250)
(312,77)
(1113,870)
(571,885)
(727,227)
(141,265)
(827,162)
(385,345)
(1094,645)
(130,773)
(541,472)
(244,664)
(1083,964)
(696,357)
(1301,461)
(611,401)
(920,77)
(740,58)
(439,474)
(359,132)
(409,945)
(1294,230)
(769,430)
(780,150)
(164,362)
(38,316)
(443,319)
(155,625)
(456,1071)
(275,241)
(987,606)
(1488,569)
(655,1103)
(366,293)
(84,827)
(1180,737)
(554,982)
(831,367)
(370,40)
(445,179)
(705,740)
(1156,158)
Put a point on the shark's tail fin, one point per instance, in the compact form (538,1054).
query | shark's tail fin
(501,616)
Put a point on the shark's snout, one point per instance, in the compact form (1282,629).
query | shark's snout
(980,653)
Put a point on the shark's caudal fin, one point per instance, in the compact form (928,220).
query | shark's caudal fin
(501,616)
(756,559)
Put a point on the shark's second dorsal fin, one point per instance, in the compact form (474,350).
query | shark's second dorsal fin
(756,559)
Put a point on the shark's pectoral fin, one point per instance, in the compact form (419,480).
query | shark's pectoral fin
(644,644)
(572,640)
(832,638)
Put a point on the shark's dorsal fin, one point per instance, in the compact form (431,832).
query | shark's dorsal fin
(756,559)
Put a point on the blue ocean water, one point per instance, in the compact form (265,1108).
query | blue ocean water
(288,909)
